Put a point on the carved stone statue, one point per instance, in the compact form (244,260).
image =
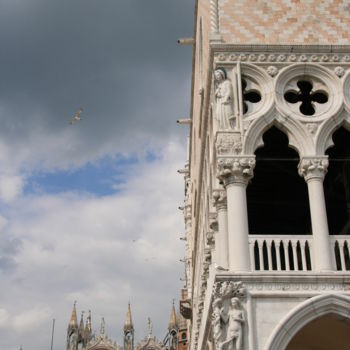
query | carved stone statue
(235,320)
(224,100)
(228,316)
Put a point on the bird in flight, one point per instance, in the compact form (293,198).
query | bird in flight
(76,117)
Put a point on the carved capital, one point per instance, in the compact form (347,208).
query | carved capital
(313,167)
(235,169)
(220,199)
(228,143)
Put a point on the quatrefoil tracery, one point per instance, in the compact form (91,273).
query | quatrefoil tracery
(307,97)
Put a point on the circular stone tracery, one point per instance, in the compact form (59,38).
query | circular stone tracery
(308,91)
(307,98)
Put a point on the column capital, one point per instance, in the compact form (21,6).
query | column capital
(313,167)
(235,169)
(220,198)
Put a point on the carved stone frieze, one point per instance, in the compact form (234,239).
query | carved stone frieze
(228,289)
(313,167)
(235,169)
(228,143)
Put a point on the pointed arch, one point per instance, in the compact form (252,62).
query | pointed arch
(303,314)
(298,137)
(324,135)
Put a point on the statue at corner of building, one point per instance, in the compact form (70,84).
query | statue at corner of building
(235,319)
(224,100)
(228,326)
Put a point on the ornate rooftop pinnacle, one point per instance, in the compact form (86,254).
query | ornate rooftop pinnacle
(88,329)
(81,325)
(128,326)
(73,323)
(172,322)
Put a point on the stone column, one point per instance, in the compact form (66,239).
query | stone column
(221,237)
(235,172)
(314,169)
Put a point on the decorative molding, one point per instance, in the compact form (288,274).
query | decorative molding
(294,287)
(272,71)
(282,58)
(313,167)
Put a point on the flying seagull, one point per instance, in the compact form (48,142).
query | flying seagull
(76,117)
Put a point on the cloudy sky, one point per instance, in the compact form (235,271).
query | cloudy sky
(88,212)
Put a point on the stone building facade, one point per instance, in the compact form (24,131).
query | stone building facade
(267,182)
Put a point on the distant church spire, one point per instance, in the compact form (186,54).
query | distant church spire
(128,325)
(128,331)
(73,330)
(172,322)
(73,323)
(88,329)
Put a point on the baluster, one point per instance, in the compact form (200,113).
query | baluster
(286,256)
(303,255)
(342,256)
(252,255)
(278,256)
(295,255)
(261,255)
(269,254)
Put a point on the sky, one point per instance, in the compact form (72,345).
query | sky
(88,212)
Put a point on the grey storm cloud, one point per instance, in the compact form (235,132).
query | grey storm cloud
(118,59)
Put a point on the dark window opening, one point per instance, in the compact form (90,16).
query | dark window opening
(337,184)
(277,197)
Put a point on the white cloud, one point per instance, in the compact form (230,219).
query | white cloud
(31,319)
(10,187)
(101,252)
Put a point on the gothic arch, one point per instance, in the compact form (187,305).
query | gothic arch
(304,313)
(325,134)
(298,137)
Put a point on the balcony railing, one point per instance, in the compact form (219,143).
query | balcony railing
(294,253)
